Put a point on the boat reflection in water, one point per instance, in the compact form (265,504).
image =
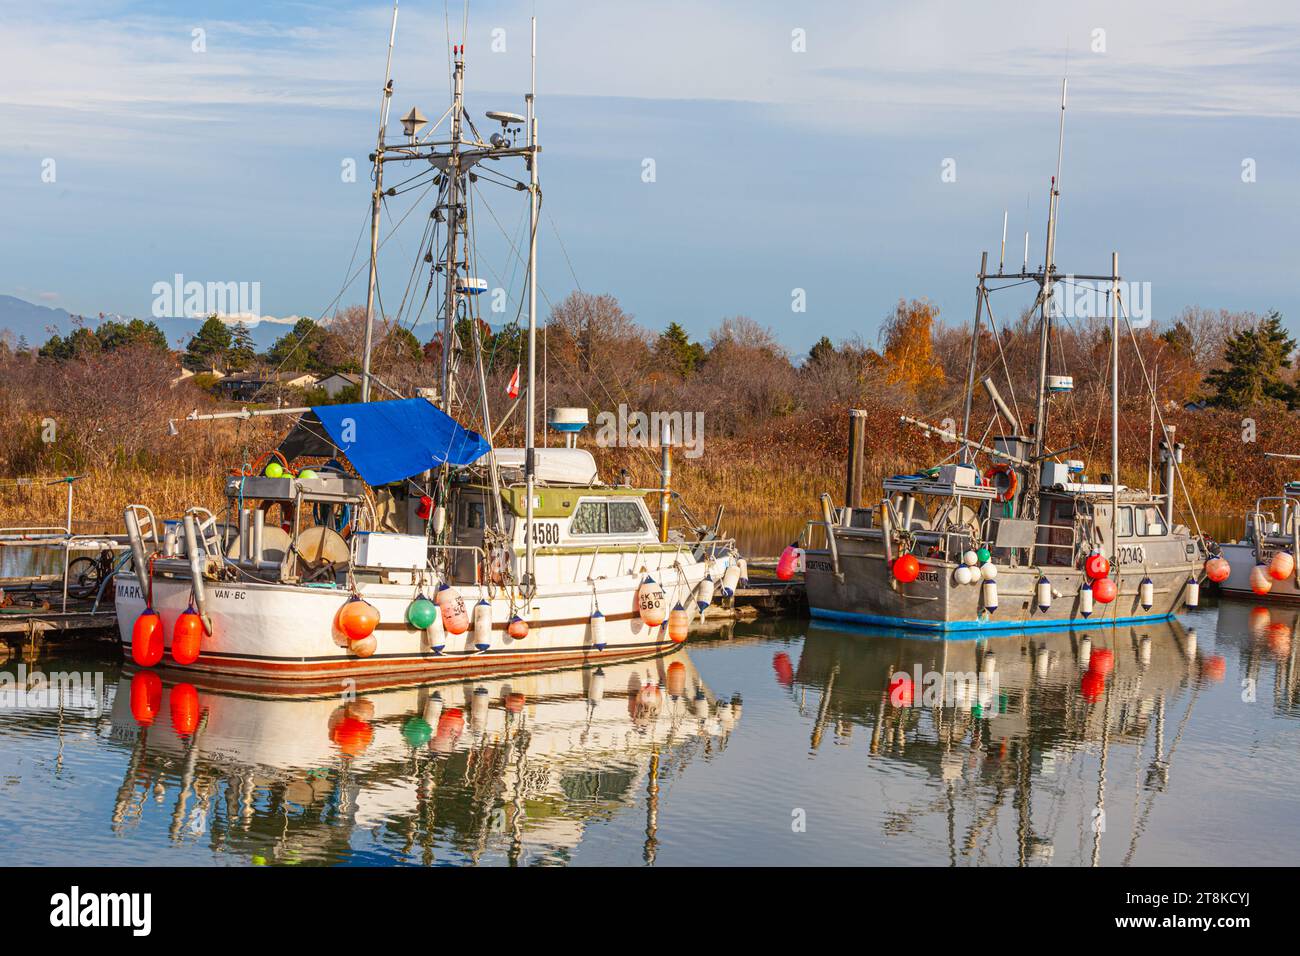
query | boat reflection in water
(989,722)
(448,772)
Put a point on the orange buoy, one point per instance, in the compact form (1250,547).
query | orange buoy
(147,638)
(187,635)
(1279,639)
(1217,570)
(1282,566)
(677,624)
(146,697)
(1214,668)
(1260,582)
(1258,621)
(515,703)
(1096,565)
(518,628)
(357,619)
(906,568)
(451,724)
(1104,590)
(455,619)
(185,709)
(651,603)
(352,736)
(676,682)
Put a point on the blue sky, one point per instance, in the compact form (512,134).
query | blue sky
(775,170)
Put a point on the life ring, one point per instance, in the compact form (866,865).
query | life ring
(1002,468)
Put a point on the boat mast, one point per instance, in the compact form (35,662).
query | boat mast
(1045,295)
(455,225)
(530,436)
(1114,411)
(375,199)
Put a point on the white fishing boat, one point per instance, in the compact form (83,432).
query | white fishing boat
(385,536)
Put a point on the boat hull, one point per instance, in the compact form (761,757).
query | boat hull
(284,632)
(862,594)
(1241,558)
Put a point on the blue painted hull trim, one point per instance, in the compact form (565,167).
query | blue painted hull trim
(936,627)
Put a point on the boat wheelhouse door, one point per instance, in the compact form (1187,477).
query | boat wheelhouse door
(471,516)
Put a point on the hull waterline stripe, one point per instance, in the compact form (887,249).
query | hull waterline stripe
(966,627)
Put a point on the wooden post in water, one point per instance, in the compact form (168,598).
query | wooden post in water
(857,451)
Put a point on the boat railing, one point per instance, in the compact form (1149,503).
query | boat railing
(32,540)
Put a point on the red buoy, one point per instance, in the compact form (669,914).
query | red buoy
(788,563)
(1282,566)
(518,628)
(185,709)
(1092,685)
(146,697)
(1096,566)
(901,691)
(187,635)
(906,568)
(1102,661)
(147,638)
(1104,590)
(784,668)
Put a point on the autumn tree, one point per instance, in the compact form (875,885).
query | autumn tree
(909,358)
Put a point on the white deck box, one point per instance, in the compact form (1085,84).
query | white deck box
(378,549)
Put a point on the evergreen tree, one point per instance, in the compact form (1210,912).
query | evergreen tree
(298,350)
(1252,373)
(678,352)
(209,345)
(113,334)
(821,352)
(242,351)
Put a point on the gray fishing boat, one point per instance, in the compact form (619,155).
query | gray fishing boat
(1008,533)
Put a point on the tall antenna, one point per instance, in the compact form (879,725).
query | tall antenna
(1002,257)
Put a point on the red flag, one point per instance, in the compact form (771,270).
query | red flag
(512,390)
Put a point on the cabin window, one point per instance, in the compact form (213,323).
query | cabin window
(625,517)
(590,518)
(608,517)
(1126,522)
(473,515)
(1149,520)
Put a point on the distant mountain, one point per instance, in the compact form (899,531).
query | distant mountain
(23,319)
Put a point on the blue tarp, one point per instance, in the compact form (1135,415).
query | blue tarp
(389,441)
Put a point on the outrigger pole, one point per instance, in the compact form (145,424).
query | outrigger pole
(375,198)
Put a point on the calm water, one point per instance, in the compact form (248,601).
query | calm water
(773,743)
